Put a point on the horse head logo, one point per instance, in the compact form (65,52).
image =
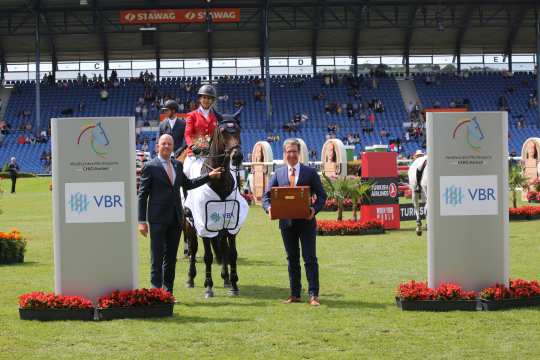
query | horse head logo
(99,141)
(473,132)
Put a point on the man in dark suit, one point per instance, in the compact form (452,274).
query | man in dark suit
(172,125)
(13,170)
(299,231)
(161,206)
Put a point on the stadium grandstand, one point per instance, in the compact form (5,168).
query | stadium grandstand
(361,71)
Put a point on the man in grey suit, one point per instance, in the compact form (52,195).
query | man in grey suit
(160,205)
(172,125)
(297,232)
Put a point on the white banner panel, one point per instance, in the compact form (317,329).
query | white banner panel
(94,205)
(469,195)
(95,202)
(467,198)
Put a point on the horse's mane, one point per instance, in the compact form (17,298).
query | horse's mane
(216,158)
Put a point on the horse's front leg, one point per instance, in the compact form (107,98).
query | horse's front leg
(224,253)
(208,259)
(233,257)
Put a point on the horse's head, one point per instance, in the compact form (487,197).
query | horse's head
(229,130)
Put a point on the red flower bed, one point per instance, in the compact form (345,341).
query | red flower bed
(41,300)
(348,227)
(413,290)
(525,212)
(137,297)
(533,195)
(518,289)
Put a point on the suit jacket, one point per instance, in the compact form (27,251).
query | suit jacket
(307,177)
(177,132)
(159,200)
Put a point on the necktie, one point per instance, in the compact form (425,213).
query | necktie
(170,171)
(292,176)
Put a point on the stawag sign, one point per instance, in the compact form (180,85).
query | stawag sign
(177,16)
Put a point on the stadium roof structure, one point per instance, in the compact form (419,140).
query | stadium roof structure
(91,29)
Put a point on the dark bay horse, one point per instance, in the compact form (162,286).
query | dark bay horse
(224,151)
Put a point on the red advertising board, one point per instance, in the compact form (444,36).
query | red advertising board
(379,164)
(387,214)
(381,169)
(176,16)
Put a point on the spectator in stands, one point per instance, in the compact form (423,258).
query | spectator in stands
(410,107)
(304,117)
(103,94)
(82,105)
(259,96)
(371,118)
(21,139)
(437,104)
(67,111)
(2,137)
(503,103)
(144,112)
(384,133)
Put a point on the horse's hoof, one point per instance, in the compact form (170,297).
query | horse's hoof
(190,284)
(233,292)
(419,233)
(227,284)
(208,294)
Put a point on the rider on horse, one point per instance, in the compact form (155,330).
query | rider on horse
(200,124)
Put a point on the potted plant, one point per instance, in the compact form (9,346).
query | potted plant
(519,293)
(341,189)
(417,296)
(48,306)
(12,247)
(516,180)
(138,303)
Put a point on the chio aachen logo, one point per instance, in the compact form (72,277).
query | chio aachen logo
(98,139)
(455,195)
(472,132)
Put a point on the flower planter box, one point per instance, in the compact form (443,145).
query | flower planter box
(519,217)
(436,305)
(345,232)
(492,305)
(162,310)
(56,314)
(16,260)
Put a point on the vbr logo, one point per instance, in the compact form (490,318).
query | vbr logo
(130,16)
(190,15)
(453,195)
(79,202)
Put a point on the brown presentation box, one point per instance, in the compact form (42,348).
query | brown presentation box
(290,202)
